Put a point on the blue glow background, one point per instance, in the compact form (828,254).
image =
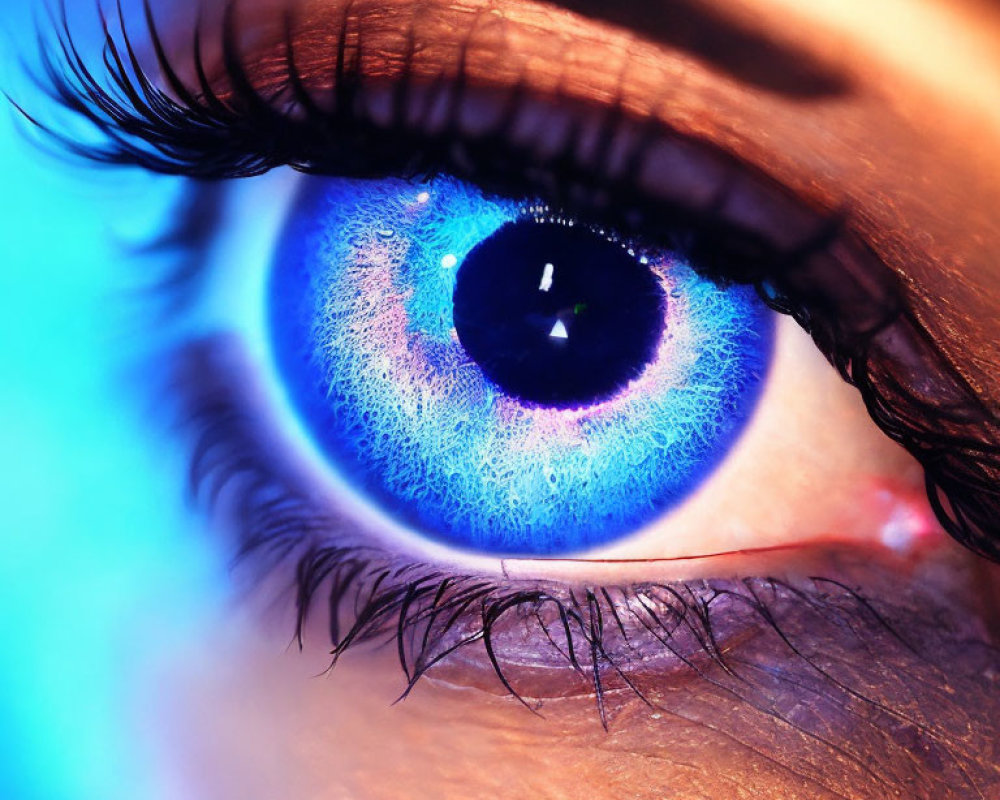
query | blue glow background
(99,566)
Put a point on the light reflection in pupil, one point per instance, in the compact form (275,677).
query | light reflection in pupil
(561,336)
(363,325)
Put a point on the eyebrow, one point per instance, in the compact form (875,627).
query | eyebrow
(729,45)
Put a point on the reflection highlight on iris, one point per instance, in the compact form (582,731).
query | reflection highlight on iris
(513,317)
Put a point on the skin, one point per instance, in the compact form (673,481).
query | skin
(902,703)
(881,722)
(818,712)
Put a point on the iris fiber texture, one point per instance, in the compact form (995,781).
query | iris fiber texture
(360,315)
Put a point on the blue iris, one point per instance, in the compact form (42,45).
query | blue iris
(361,319)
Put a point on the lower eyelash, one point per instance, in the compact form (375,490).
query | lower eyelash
(590,639)
(775,648)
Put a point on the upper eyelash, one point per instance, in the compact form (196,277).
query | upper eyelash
(859,324)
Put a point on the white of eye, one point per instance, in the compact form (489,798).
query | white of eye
(810,466)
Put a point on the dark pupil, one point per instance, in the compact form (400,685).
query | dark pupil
(557,315)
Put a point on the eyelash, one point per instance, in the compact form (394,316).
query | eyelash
(194,136)
(605,638)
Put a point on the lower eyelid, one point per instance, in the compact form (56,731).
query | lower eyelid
(720,640)
(668,632)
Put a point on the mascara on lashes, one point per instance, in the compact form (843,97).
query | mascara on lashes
(832,283)
(275,521)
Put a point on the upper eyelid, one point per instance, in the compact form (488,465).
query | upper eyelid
(913,390)
(380,68)
(242,100)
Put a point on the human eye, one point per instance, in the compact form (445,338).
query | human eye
(590,520)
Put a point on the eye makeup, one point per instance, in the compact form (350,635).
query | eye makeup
(802,671)
(360,106)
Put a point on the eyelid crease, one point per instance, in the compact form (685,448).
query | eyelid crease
(732,45)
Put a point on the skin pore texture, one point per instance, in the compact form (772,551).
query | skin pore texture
(842,671)
(858,714)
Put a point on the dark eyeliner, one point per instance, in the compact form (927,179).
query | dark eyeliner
(833,285)
(843,671)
